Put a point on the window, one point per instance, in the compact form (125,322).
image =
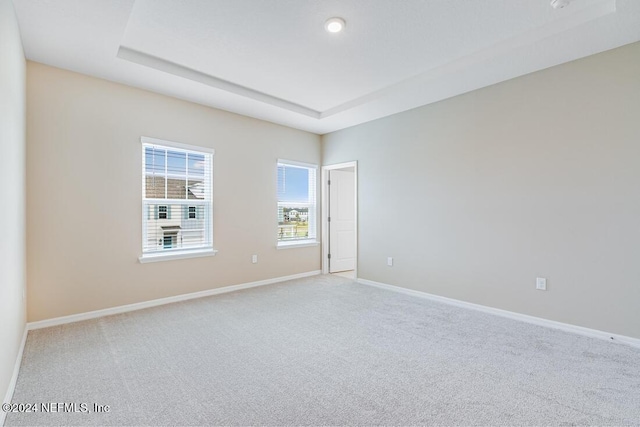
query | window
(296,203)
(162,212)
(177,200)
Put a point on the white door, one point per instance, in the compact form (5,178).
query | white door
(342,214)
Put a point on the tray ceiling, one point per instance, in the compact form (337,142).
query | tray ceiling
(273,59)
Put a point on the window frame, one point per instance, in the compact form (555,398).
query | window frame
(177,253)
(312,211)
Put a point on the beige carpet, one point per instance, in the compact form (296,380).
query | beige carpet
(324,351)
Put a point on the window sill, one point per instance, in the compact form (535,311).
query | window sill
(297,244)
(197,253)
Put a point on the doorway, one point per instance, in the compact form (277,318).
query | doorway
(339,219)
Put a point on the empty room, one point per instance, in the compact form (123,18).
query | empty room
(320,212)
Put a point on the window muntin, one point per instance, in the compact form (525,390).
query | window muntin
(296,188)
(177,197)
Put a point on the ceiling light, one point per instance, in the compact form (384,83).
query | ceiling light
(559,4)
(334,25)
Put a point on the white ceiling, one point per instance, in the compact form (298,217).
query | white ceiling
(272,59)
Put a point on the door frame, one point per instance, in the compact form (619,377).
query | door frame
(325,212)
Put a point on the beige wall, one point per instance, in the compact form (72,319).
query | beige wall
(12,193)
(84,196)
(535,177)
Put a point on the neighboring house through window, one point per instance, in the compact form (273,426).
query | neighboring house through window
(296,203)
(177,199)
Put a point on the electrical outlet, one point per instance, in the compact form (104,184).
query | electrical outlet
(541,283)
(390,261)
(254,259)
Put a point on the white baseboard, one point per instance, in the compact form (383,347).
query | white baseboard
(162,301)
(14,378)
(594,333)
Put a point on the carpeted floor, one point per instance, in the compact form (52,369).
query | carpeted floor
(324,351)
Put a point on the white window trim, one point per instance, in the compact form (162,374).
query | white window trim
(301,243)
(169,255)
(296,163)
(177,145)
(297,243)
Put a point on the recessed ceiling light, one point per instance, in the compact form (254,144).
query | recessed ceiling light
(334,25)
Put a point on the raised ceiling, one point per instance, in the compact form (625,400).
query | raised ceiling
(273,60)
